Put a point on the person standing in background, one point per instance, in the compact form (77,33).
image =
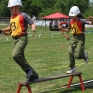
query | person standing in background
(51,25)
(56,25)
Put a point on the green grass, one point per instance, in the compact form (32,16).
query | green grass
(47,54)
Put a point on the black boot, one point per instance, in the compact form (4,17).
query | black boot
(31,75)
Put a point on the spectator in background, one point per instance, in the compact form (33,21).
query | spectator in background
(50,25)
(56,25)
(33,18)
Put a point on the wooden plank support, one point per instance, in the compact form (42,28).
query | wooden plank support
(21,85)
(27,84)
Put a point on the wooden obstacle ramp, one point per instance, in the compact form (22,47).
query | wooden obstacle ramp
(27,84)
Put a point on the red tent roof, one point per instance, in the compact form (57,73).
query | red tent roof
(55,16)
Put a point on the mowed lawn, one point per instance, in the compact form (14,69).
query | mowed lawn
(47,53)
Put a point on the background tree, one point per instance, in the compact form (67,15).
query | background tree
(89,10)
(40,8)
(4,11)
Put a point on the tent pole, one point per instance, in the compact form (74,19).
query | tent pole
(45,24)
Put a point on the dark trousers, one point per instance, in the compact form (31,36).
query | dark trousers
(76,49)
(20,44)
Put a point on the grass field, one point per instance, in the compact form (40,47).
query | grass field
(47,53)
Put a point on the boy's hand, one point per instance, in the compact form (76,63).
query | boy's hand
(91,19)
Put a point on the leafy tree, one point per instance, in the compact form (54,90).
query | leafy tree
(32,7)
(40,8)
(67,4)
(89,10)
(63,6)
(4,11)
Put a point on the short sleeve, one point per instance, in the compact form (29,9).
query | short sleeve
(27,19)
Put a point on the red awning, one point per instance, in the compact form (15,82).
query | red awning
(55,16)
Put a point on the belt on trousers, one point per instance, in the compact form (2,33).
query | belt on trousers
(79,34)
(17,37)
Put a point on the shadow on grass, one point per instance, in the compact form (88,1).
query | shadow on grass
(74,87)
(69,90)
(87,84)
